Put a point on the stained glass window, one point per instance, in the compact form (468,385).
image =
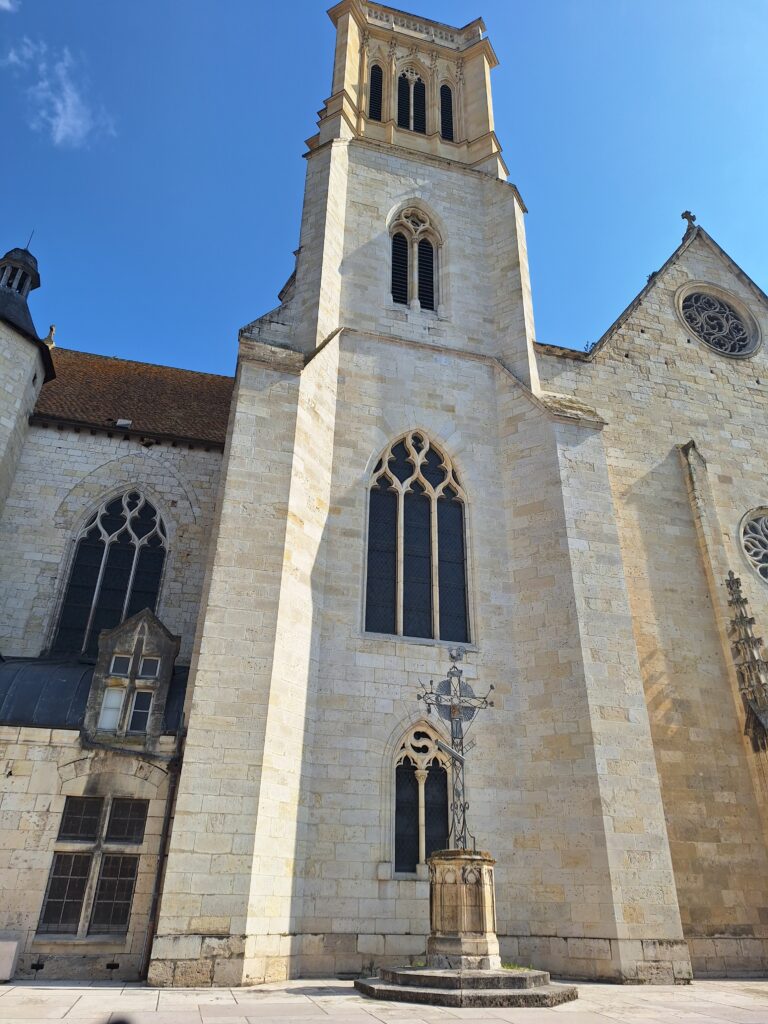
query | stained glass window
(417,577)
(115,573)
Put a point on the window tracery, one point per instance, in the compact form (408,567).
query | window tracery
(715,322)
(416,580)
(754,541)
(116,571)
(416,248)
(421,799)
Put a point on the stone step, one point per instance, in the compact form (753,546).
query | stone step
(426,977)
(543,996)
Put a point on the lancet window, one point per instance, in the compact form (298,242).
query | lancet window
(421,799)
(416,571)
(116,572)
(375,92)
(415,256)
(446,112)
(411,101)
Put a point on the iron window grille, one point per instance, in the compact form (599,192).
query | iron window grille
(718,324)
(116,572)
(416,580)
(73,904)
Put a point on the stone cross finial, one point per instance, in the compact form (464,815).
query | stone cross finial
(690,217)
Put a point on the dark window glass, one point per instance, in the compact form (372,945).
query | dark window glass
(400,268)
(406,817)
(142,702)
(64,896)
(121,664)
(381,584)
(114,893)
(374,93)
(446,112)
(81,817)
(417,564)
(11,275)
(103,570)
(403,102)
(452,572)
(419,106)
(79,596)
(400,465)
(426,274)
(436,809)
(127,821)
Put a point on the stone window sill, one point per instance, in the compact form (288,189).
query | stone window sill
(420,641)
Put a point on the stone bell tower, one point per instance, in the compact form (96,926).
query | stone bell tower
(407,319)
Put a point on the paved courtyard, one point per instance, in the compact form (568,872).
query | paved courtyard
(312,1002)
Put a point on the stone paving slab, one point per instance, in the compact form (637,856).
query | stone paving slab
(313,1002)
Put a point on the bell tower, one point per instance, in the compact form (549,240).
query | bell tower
(407,207)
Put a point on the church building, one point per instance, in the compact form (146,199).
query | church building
(220,597)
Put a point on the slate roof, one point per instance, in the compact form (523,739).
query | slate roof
(161,401)
(37,693)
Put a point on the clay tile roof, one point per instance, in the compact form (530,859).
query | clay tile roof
(160,401)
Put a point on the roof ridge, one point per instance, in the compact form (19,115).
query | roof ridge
(138,362)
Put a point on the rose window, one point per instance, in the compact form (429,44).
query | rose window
(717,324)
(754,540)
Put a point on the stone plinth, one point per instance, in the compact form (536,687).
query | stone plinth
(462,912)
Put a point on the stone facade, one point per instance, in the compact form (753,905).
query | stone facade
(604,493)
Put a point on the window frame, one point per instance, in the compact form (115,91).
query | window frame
(95,850)
(417,226)
(423,760)
(451,480)
(88,523)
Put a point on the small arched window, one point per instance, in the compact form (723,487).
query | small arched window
(446,112)
(115,573)
(400,268)
(375,90)
(415,246)
(416,581)
(411,101)
(421,799)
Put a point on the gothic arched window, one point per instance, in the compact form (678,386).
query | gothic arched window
(375,91)
(416,582)
(115,573)
(411,101)
(421,799)
(446,112)
(416,251)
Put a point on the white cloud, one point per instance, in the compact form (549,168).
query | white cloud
(56,93)
(9,5)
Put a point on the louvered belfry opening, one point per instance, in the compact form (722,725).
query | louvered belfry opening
(403,102)
(400,268)
(375,91)
(419,107)
(417,575)
(426,274)
(446,112)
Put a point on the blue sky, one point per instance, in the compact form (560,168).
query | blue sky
(155,146)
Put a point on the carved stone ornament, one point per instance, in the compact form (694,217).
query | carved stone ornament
(751,666)
(462,912)
(715,322)
(754,541)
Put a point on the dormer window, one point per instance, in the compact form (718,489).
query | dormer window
(411,102)
(111,706)
(121,665)
(149,668)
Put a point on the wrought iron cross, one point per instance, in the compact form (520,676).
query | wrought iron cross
(455,701)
